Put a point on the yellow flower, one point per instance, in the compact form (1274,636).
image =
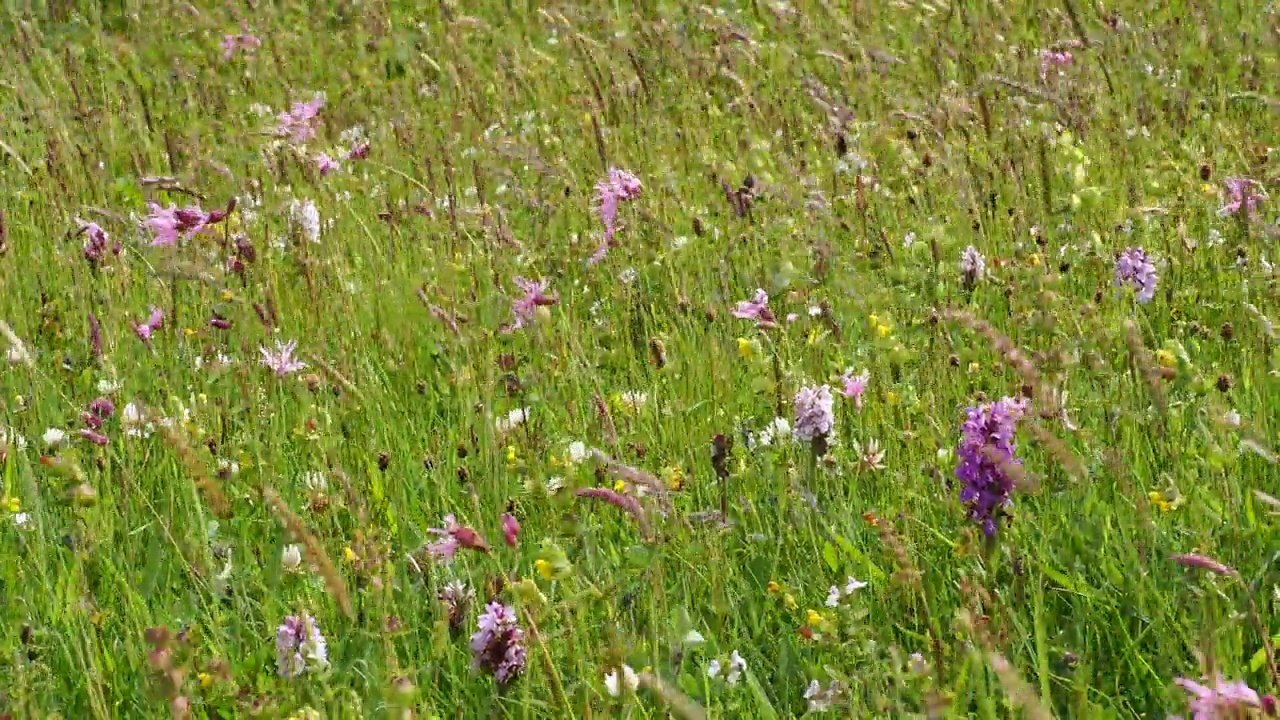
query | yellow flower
(1166,358)
(1035,260)
(773,587)
(349,555)
(874,319)
(619,486)
(543,567)
(891,397)
(813,617)
(189,332)
(883,330)
(13,505)
(746,349)
(1208,190)
(511,454)
(205,679)
(1162,502)
(974,367)
(674,477)
(228,295)
(788,601)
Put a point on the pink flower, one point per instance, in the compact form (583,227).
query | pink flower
(299,122)
(855,385)
(615,189)
(510,529)
(756,309)
(1242,194)
(167,223)
(94,437)
(1053,59)
(96,242)
(453,537)
(245,42)
(1223,700)
(535,295)
(359,152)
(326,164)
(153,323)
(282,361)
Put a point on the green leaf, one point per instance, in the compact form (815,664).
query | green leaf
(829,554)
(764,709)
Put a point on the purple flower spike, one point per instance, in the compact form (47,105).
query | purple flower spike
(1135,269)
(497,646)
(986,450)
(620,186)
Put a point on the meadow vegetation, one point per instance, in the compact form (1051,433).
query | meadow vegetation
(731,360)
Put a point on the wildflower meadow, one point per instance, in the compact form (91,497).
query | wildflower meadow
(747,359)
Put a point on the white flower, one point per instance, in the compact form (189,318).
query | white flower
(228,467)
(629,679)
(736,667)
(917,664)
(853,585)
(134,426)
(306,218)
(53,437)
(972,264)
(554,484)
(815,311)
(679,242)
(315,481)
(833,597)
(693,639)
(22,520)
(628,276)
(577,452)
(821,699)
(107,386)
(513,420)
(1231,418)
(634,400)
(713,668)
(291,557)
(779,428)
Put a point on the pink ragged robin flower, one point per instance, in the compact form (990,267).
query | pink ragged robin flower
(535,296)
(282,362)
(757,308)
(244,41)
(620,186)
(510,529)
(454,537)
(855,386)
(1242,194)
(326,164)
(154,322)
(298,123)
(1225,700)
(166,224)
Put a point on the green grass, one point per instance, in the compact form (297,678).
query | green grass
(488,125)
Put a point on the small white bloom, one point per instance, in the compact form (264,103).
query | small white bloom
(679,242)
(107,386)
(315,481)
(577,452)
(513,420)
(628,276)
(18,355)
(291,557)
(833,597)
(917,664)
(693,639)
(736,667)
(634,400)
(228,467)
(1232,418)
(53,437)
(630,680)
(853,585)
(815,310)
(554,484)
(22,520)
(713,668)
(131,419)
(306,218)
